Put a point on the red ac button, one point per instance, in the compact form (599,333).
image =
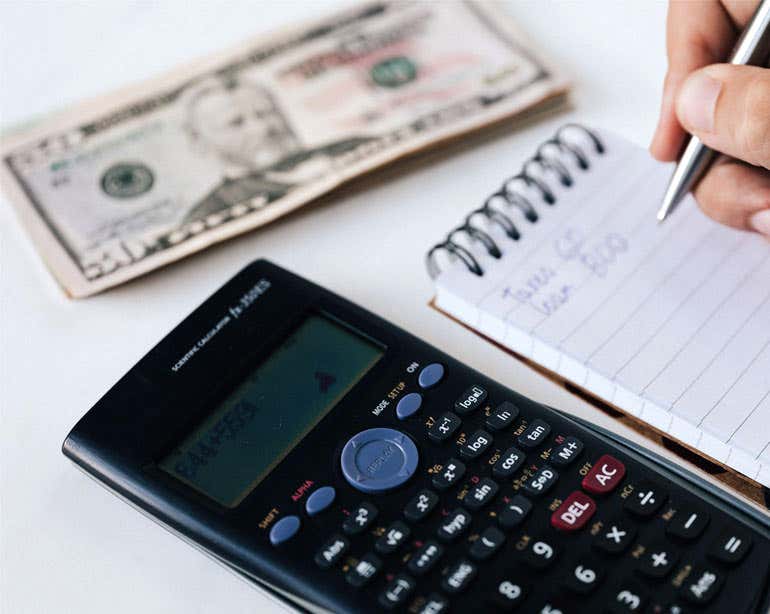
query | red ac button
(604,476)
(574,512)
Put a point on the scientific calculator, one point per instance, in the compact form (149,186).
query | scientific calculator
(344,465)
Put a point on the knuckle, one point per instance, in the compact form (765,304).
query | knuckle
(753,135)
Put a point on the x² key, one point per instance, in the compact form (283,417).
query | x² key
(605,475)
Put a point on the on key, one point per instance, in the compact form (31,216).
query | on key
(605,475)
(535,434)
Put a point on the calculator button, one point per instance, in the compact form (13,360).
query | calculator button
(397,591)
(541,553)
(502,416)
(688,523)
(584,575)
(430,375)
(319,500)
(470,400)
(646,499)
(566,452)
(574,512)
(421,505)
(480,494)
(458,577)
(362,573)
(360,519)
(514,512)
(451,473)
(284,529)
(657,561)
(702,585)
(535,434)
(509,463)
(444,427)
(332,551)
(629,597)
(508,594)
(615,537)
(408,405)
(489,542)
(434,604)
(730,547)
(379,459)
(454,525)
(425,558)
(476,445)
(393,538)
(604,476)
(541,482)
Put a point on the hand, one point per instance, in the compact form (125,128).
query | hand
(727,107)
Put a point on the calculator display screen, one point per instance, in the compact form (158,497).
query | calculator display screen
(279,402)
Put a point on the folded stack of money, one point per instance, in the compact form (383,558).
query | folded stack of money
(138,179)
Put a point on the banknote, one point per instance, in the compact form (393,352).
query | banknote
(137,179)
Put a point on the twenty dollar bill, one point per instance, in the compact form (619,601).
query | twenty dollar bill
(143,177)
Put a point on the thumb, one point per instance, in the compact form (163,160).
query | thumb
(728,108)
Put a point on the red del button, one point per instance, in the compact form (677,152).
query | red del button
(574,512)
(604,476)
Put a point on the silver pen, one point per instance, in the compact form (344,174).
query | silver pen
(753,47)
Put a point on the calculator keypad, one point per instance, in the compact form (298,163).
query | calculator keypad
(509,511)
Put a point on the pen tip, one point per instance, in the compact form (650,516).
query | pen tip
(662,214)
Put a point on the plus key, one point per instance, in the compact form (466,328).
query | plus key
(605,475)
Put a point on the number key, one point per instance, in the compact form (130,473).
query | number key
(584,576)
(628,598)
(541,553)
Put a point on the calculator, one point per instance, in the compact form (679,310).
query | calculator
(344,465)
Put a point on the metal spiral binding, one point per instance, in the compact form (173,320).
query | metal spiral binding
(513,198)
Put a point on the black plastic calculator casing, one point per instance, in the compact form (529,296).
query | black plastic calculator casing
(120,440)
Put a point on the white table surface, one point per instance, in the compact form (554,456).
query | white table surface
(66,544)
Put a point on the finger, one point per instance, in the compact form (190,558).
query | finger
(740,11)
(728,108)
(697,34)
(736,194)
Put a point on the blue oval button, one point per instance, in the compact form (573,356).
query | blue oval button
(378,459)
(320,500)
(284,529)
(430,375)
(408,405)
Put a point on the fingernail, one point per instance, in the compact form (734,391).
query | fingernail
(760,222)
(698,100)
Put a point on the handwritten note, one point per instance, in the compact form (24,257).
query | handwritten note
(669,322)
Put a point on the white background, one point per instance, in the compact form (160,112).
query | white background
(66,544)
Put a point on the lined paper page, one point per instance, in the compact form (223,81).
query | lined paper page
(671,322)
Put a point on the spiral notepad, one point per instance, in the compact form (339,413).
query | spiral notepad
(565,265)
